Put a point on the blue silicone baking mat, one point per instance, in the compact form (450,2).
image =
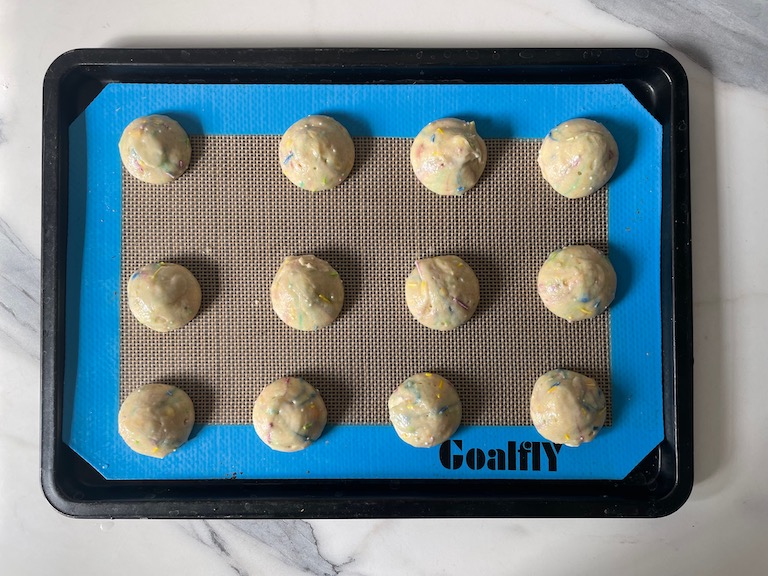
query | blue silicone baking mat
(94,293)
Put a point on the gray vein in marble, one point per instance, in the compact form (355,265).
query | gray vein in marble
(19,294)
(727,37)
(293,541)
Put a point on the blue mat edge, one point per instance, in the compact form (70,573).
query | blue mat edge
(92,352)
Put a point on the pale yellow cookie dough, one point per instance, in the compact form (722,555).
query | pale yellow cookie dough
(567,407)
(316,153)
(307,293)
(448,156)
(155,149)
(164,296)
(289,415)
(156,419)
(577,282)
(578,157)
(442,292)
(425,410)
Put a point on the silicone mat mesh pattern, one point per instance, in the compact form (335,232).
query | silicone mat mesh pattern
(233,217)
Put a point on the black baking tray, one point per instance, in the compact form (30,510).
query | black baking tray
(658,486)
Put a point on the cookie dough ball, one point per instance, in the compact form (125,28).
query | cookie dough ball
(577,157)
(156,419)
(307,293)
(163,296)
(577,282)
(425,410)
(316,153)
(289,415)
(448,156)
(442,292)
(155,149)
(567,407)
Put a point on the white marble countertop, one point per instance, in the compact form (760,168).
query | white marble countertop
(721,529)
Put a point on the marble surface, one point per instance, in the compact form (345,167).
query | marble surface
(721,528)
(727,37)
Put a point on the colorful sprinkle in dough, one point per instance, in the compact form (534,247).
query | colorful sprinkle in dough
(448,156)
(577,282)
(425,410)
(442,292)
(289,415)
(316,153)
(578,157)
(156,419)
(163,296)
(155,149)
(307,293)
(567,407)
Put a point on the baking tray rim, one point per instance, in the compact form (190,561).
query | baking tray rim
(82,71)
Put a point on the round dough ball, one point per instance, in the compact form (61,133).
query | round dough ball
(567,407)
(316,153)
(425,410)
(442,292)
(307,293)
(163,296)
(155,149)
(448,156)
(578,157)
(156,419)
(577,282)
(289,415)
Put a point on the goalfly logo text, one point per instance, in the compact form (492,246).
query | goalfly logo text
(527,455)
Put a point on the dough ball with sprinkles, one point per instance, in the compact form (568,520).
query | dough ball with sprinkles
(156,419)
(567,407)
(289,415)
(442,292)
(307,293)
(425,410)
(316,153)
(577,157)
(576,283)
(448,156)
(164,296)
(155,149)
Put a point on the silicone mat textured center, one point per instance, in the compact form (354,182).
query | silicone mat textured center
(232,219)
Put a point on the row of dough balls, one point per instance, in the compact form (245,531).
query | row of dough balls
(442,293)
(448,156)
(307,293)
(289,414)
